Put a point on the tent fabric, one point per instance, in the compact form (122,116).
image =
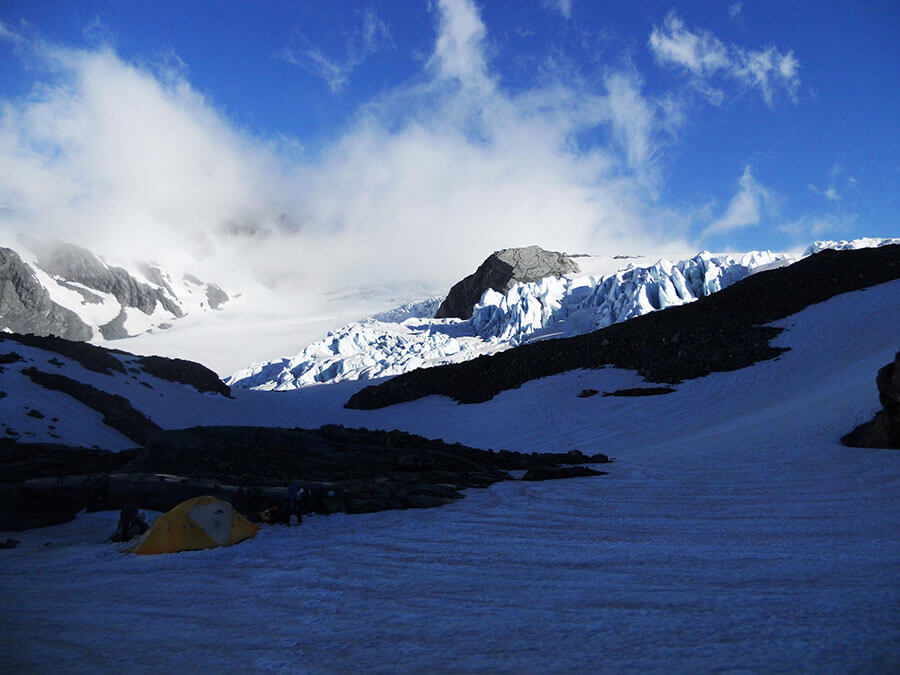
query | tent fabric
(198,523)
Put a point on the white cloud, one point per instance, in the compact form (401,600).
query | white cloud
(734,10)
(701,53)
(745,208)
(564,7)
(459,48)
(111,153)
(427,181)
(368,39)
(706,58)
(633,120)
(768,69)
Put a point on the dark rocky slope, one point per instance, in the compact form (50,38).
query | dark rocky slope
(117,411)
(107,361)
(721,332)
(501,271)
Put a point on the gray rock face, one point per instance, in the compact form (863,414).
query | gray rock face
(115,328)
(26,307)
(215,296)
(77,264)
(501,271)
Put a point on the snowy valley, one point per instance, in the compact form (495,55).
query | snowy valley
(449,336)
(729,497)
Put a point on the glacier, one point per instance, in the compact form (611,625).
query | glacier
(407,338)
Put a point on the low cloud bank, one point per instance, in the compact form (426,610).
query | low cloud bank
(132,161)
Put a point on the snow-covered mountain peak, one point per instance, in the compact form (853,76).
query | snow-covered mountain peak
(66,290)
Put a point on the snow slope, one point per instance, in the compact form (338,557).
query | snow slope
(734,532)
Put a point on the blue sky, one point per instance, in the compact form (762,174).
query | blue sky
(375,126)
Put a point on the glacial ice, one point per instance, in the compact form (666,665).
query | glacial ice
(406,338)
(389,344)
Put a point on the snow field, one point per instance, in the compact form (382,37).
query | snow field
(733,532)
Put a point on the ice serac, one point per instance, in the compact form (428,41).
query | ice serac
(26,306)
(551,306)
(499,272)
(572,306)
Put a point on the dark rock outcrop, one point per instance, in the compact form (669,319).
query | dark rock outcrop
(351,470)
(98,359)
(215,296)
(883,431)
(114,329)
(106,361)
(501,271)
(721,332)
(184,372)
(26,307)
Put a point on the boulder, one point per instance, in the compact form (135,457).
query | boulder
(500,272)
(883,431)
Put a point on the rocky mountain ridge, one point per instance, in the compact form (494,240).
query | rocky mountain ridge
(65,290)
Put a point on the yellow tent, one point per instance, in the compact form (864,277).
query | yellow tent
(201,522)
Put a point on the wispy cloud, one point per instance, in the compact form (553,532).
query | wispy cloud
(564,7)
(734,10)
(706,59)
(7,34)
(746,207)
(371,36)
(817,226)
(835,178)
(98,32)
